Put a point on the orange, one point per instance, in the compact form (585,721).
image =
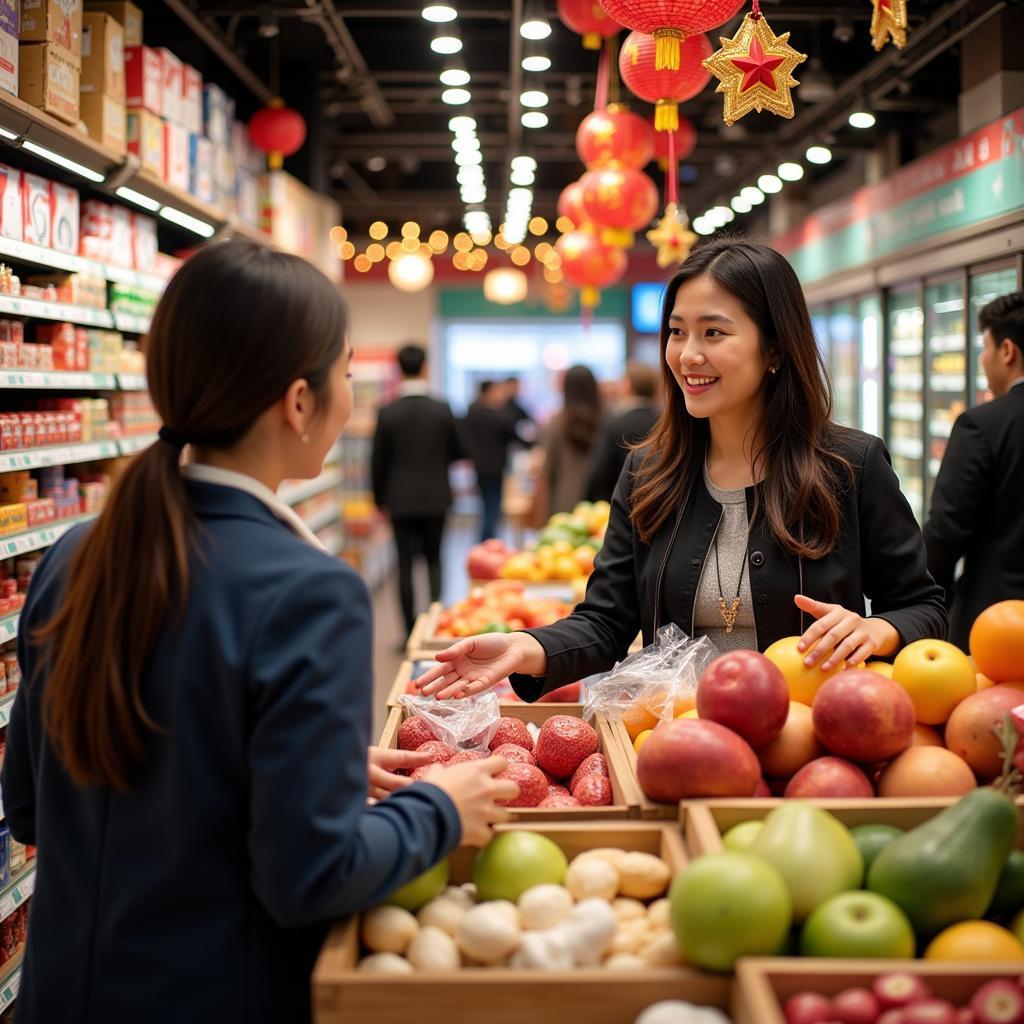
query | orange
(638,719)
(937,676)
(883,668)
(983,681)
(641,739)
(979,941)
(926,736)
(691,713)
(803,682)
(997,641)
(927,771)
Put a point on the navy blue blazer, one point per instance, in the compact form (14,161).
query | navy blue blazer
(204,895)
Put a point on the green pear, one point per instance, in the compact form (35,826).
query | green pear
(815,854)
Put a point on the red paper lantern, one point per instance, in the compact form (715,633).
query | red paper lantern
(616,136)
(665,89)
(590,264)
(671,21)
(570,204)
(278,131)
(685,138)
(587,18)
(620,199)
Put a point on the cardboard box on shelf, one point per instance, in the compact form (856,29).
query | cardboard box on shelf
(175,171)
(105,119)
(145,137)
(173,72)
(37,216)
(11,207)
(192,100)
(128,16)
(97,229)
(143,79)
(216,126)
(122,250)
(102,56)
(144,244)
(47,79)
(64,218)
(224,184)
(58,22)
(248,199)
(200,168)
(9,46)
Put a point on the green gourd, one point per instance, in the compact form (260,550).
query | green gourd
(947,869)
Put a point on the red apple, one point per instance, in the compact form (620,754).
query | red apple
(807,1008)
(745,692)
(861,715)
(893,1016)
(965,1015)
(692,757)
(899,988)
(762,789)
(998,1002)
(829,776)
(855,1006)
(930,1011)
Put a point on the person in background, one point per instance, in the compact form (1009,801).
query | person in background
(488,431)
(525,426)
(629,427)
(415,442)
(189,746)
(569,442)
(976,510)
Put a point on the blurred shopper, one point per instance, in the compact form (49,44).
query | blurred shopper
(417,439)
(569,442)
(189,746)
(634,421)
(488,432)
(976,506)
(522,421)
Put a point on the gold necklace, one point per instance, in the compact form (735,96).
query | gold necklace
(731,610)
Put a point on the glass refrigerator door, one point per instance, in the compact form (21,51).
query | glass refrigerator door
(985,287)
(906,393)
(947,368)
(843,362)
(869,312)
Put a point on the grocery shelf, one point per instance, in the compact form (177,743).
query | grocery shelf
(58,455)
(41,537)
(310,488)
(9,632)
(906,346)
(946,343)
(131,445)
(132,323)
(948,383)
(6,703)
(57,380)
(940,428)
(85,316)
(18,890)
(319,520)
(907,381)
(132,382)
(907,447)
(24,252)
(912,411)
(10,981)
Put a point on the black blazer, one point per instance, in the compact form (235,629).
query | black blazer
(621,432)
(416,440)
(487,433)
(637,586)
(977,512)
(204,895)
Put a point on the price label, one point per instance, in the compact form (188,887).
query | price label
(8,628)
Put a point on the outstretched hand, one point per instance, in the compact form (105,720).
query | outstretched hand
(471,666)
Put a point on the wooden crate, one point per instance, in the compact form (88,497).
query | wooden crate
(764,984)
(343,995)
(624,795)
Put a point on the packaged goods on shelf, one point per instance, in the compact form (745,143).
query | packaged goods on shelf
(145,135)
(200,168)
(5,877)
(192,100)
(105,118)
(247,156)
(172,72)
(121,236)
(248,199)
(143,79)
(96,230)
(48,79)
(175,142)
(224,179)
(57,22)
(76,289)
(65,216)
(36,210)
(9,46)
(126,298)
(134,414)
(15,574)
(216,124)
(10,673)
(18,856)
(102,56)
(127,15)
(11,206)
(144,243)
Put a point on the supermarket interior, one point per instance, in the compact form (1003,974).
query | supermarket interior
(503,193)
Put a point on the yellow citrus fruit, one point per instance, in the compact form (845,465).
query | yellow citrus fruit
(980,941)
(641,739)
(638,719)
(883,668)
(803,682)
(690,713)
(937,675)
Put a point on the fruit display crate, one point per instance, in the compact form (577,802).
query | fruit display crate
(342,994)
(424,633)
(763,984)
(624,793)
(625,758)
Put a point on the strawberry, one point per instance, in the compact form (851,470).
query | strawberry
(533,787)
(514,752)
(559,800)
(557,789)
(413,733)
(595,764)
(563,743)
(511,730)
(462,756)
(439,752)
(594,791)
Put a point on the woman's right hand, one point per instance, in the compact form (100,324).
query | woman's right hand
(474,790)
(480,662)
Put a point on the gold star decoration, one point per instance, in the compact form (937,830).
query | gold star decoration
(755,70)
(889,21)
(672,237)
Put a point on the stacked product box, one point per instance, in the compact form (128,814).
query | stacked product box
(28,502)
(115,234)
(103,80)
(134,413)
(50,56)
(9,46)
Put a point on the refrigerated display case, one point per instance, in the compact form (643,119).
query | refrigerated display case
(946,385)
(905,414)
(843,349)
(872,404)
(986,285)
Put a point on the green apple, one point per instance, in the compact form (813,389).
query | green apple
(513,862)
(422,889)
(728,905)
(739,837)
(1017,926)
(871,840)
(858,925)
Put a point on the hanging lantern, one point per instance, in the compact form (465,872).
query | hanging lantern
(670,22)
(570,204)
(278,131)
(589,264)
(587,18)
(665,89)
(619,199)
(685,138)
(614,135)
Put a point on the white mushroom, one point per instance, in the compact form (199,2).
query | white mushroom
(488,933)
(444,913)
(544,906)
(385,963)
(434,950)
(591,928)
(388,929)
(546,951)
(463,894)
(675,1011)
(643,875)
(592,879)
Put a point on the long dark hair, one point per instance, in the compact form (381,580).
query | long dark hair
(236,326)
(803,476)
(583,407)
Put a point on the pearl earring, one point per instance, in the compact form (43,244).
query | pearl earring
(773,369)
(305,438)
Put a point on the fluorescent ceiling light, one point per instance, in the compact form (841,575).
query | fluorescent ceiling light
(522,176)
(446,42)
(724,214)
(461,123)
(754,196)
(455,76)
(534,119)
(468,159)
(702,226)
(862,119)
(439,13)
(790,171)
(534,98)
(520,195)
(536,27)
(131,196)
(819,154)
(474,194)
(62,161)
(524,161)
(5,134)
(470,176)
(456,97)
(536,62)
(769,184)
(179,217)
(715,216)
(741,205)
(465,144)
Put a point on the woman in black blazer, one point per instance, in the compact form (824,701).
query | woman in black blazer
(189,747)
(747,516)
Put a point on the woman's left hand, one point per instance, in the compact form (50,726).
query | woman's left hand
(383,764)
(840,635)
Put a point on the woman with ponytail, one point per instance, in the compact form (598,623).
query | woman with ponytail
(190,748)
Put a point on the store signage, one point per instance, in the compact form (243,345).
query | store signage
(967,182)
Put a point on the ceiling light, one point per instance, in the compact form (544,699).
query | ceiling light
(534,119)
(524,161)
(790,171)
(470,176)
(378,230)
(438,13)
(473,194)
(9,135)
(268,27)
(534,98)
(138,199)
(819,154)
(716,216)
(456,97)
(446,40)
(536,62)
(62,161)
(538,226)
(505,286)
(522,176)
(769,183)
(724,214)
(466,144)
(535,24)
(702,226)
(461,123)
(468,159)
(520,195)
(455,76)
(376,163)
(862,119)
(754,196)
(741,205)
(411,272)
(185,220)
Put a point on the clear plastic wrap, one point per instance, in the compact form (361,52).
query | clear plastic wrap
(656,677)
(466,724)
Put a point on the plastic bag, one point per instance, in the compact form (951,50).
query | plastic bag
(465,724)
(655,678)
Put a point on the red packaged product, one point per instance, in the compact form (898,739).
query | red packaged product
(18,332)
(28,430)
(42,437)
(13,671)
(5,330)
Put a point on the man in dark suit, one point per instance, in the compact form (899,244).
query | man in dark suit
(633,423)
(415,442)
(525,426)
(976,508)
(489,430)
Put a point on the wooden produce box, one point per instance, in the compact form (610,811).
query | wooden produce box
(343,995)
(624,794)
(764,984)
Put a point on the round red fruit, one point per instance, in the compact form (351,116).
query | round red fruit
(998,1002)
(595,764)
(899,988)
(745,692)
(855,1006)
(513,752)
(533,787)
(413,733)
(439,752)
(560,800)
(466,755)
(930,1011)
(807,1008)
(593,791)
(512,730)
(564,741)
(829,777)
